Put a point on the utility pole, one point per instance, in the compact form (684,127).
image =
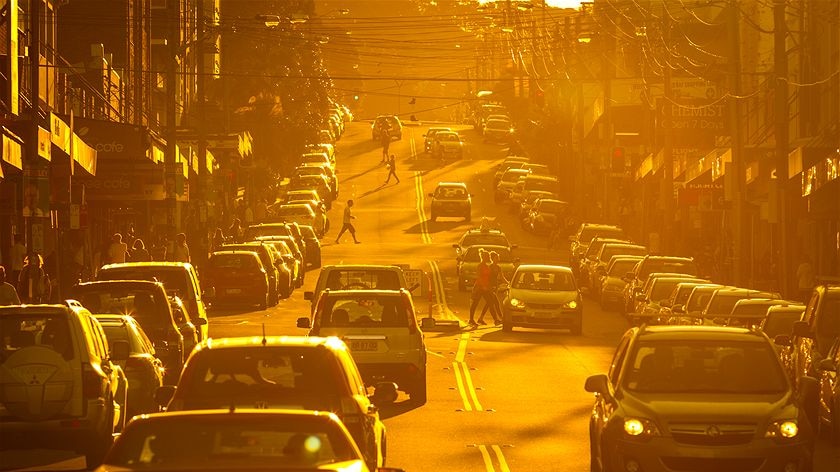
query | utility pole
(35,110)
(170,160)
(737,180)
(782,112)
(201,123)
(667,191)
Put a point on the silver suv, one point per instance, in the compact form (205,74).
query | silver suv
(59,384)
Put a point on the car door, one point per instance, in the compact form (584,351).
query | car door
(604,407)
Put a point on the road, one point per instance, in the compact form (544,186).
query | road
(496,401)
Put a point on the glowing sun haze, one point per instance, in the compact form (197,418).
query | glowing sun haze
(550,3)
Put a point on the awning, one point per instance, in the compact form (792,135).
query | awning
(650,165)
(68,142)
(12,148)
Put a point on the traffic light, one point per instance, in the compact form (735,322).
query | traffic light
(617,160)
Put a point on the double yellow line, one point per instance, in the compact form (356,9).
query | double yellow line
(463,378)
(488,460)
(421,208)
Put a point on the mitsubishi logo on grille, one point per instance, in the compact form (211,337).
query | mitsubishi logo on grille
(713,431)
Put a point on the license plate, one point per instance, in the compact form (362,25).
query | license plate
(543,314)
(363,345)
(233,290)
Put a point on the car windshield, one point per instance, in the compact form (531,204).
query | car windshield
(498,124)
(451,193)
(471,254)
(275,376)
(364,311)
(296,210)
(590,232)
(699,298)
(780,322)
(143,304)
(719,367)
(622,266)
(484,239)
(544,281)
(751,310)
(233,262)
(723,303)
(21,330)
(230,443)
(314,157)
(119,331)
(548,185)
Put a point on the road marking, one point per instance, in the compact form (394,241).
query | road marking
(457,369)
(488,461)
(412,145)
(421,205)
(501,457)
(440,294)
(467,387)
(462,347)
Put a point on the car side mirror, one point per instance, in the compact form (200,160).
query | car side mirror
(428,323)
(304,323)
(164,394)
(827,365)
(308,296)
(782,340)
(384,392)
(801,329)
(514,246)
(200,322)
(598,383)
(120,351)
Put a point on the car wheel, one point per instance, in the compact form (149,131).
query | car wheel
(273,297)
(507,326)
(594,466)
(95,448)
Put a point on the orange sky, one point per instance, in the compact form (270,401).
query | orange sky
(551,3)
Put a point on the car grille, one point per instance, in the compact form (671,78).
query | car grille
(697,464)
(713,435)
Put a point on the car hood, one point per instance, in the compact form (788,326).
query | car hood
(710,408)
(543,296)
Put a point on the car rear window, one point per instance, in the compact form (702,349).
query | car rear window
(273,376)
(451,193)
(231,443)
(610,250)
(548,185)
(143,304)
(175,280)
(367,279)
(471,255)
(673,266)
(253,232)
(780,323)
(829,323)
(699,298)
(233,261)
(719,367)
(360,310)
(590,232)
(19,331)
(484,239)
(622,266)
(722,304)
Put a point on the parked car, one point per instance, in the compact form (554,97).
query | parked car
(545,214)
(723,300)
(306,373)
(189,330)
(178,278)
(613,283)
(590,258)
(148,303)
(238,276)
(698,398)
(637,279)
(290,229)
(142,368)
(579,242)
(319,183)
(510,162)
(451,199)
(543,296)
(60,383)
(829,377)
(268,265)
(648,303)
(816,331)
(293,261)
(302,214)
(507,183)
(482,236)
(380,328)
(313,246)
(497,131)
(317,158)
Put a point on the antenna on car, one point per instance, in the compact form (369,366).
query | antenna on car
(264,341)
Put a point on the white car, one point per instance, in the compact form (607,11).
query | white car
(300,213)
(320,158)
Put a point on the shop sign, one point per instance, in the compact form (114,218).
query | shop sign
(111,141)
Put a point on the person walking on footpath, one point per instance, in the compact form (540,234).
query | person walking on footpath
(497,278)
(138,252)
(8,294)
(481,288)
(33,284)
(117,250)
(348,223)
(392,168)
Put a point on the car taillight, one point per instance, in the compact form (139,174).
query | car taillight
(93,383)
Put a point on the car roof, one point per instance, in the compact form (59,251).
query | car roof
(792,307)
(739,291)
(599,226)
(544,268)
(698,333)
(760,301)
(487,247)
(40,308)
(271,341)
(484,230)
(239,412)
(365,292)
(452,184)
(154,265)
(668,258)
(112,318)
(234,252)
(148,284)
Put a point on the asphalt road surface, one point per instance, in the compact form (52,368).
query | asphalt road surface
(496,401)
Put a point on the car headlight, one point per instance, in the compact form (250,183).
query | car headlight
(571,304)
(517,303)
(640,427)
(785,429)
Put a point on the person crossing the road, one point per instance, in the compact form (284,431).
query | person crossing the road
(348,223)
(392,168)
(481,289)
(385,139)
(497,278)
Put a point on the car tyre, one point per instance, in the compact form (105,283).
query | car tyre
(95,448)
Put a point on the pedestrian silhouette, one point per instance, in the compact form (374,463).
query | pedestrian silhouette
(392,168)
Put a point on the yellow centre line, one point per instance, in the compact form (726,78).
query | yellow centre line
(501,457)
(457,369)
(488,461)
(462,347)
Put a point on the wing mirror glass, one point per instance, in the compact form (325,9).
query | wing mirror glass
(597,384)
(308,296)
(200,322)
(210,292)
(427,324)
(384,392)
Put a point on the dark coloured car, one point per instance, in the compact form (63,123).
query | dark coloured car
(482,236)
(237,277)
(451,199)
(816,331)
(829,375)
(579,242)
(637,279)
(694,398)
(269,265)
(313,246)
